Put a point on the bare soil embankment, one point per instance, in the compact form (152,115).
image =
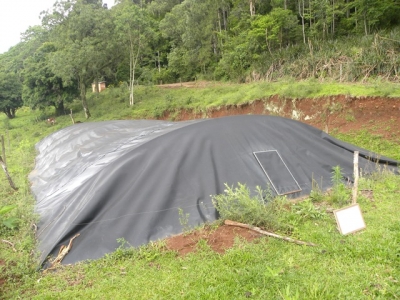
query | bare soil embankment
(342,113)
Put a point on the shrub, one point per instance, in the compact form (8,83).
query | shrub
(11,222)
(261,209)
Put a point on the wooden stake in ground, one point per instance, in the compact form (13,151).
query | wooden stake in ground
(355,185)
(3,149)
(259,230)
(3,165)
(72,118)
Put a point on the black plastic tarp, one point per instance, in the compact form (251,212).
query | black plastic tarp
(128,179)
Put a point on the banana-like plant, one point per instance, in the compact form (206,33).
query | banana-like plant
(11,222)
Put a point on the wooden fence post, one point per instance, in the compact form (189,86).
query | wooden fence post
(3,149)
(355,185)
(3,165)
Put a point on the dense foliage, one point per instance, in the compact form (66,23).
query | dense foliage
(161,41)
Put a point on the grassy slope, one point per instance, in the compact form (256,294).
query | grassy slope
(362,265)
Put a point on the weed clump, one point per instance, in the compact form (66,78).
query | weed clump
(262,210)
(340,192)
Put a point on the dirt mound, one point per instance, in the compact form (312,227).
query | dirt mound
(219,239)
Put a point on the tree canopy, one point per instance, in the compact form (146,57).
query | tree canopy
(10,93)
(81,42)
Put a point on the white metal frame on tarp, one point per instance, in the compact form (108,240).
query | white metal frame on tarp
(258,154)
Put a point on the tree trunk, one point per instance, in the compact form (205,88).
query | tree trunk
(333,18)
(266,40)
(131,80)
(133,58)
(365,21)
(301,14)
(159,63)
(82,87)
(220,11)
(59,108)
(10,113)
(96,86)
(3,150)
(225,17)
(252,8)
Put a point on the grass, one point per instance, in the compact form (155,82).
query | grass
(375,143)
(151,101)
(360,266)
(364,265)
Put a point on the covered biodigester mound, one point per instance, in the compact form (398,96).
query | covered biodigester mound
(128,179)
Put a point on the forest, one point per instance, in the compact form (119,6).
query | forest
(80,42)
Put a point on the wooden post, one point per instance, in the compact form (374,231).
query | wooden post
(3,165)
(3,149)
(259,230)
(355,185)
(72,118)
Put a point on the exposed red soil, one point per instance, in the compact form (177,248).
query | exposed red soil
(219,239)
(343,114)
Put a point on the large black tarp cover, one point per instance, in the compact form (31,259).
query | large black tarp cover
(128,179)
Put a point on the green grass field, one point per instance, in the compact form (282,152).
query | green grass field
(365,265)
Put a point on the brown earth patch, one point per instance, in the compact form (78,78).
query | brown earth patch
(342,113)
(219,239)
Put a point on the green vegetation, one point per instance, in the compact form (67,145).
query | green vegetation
(237,204)
(375,143)
(153,102)
(10,223)
(361,266)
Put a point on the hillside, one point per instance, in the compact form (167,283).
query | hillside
(367,121)
(378,115)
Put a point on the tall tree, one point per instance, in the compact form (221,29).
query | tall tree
(370,13)
(278,28)
(134,33)
(159,8)
(42,87)
(83,38)
(10,93)
(191,28)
